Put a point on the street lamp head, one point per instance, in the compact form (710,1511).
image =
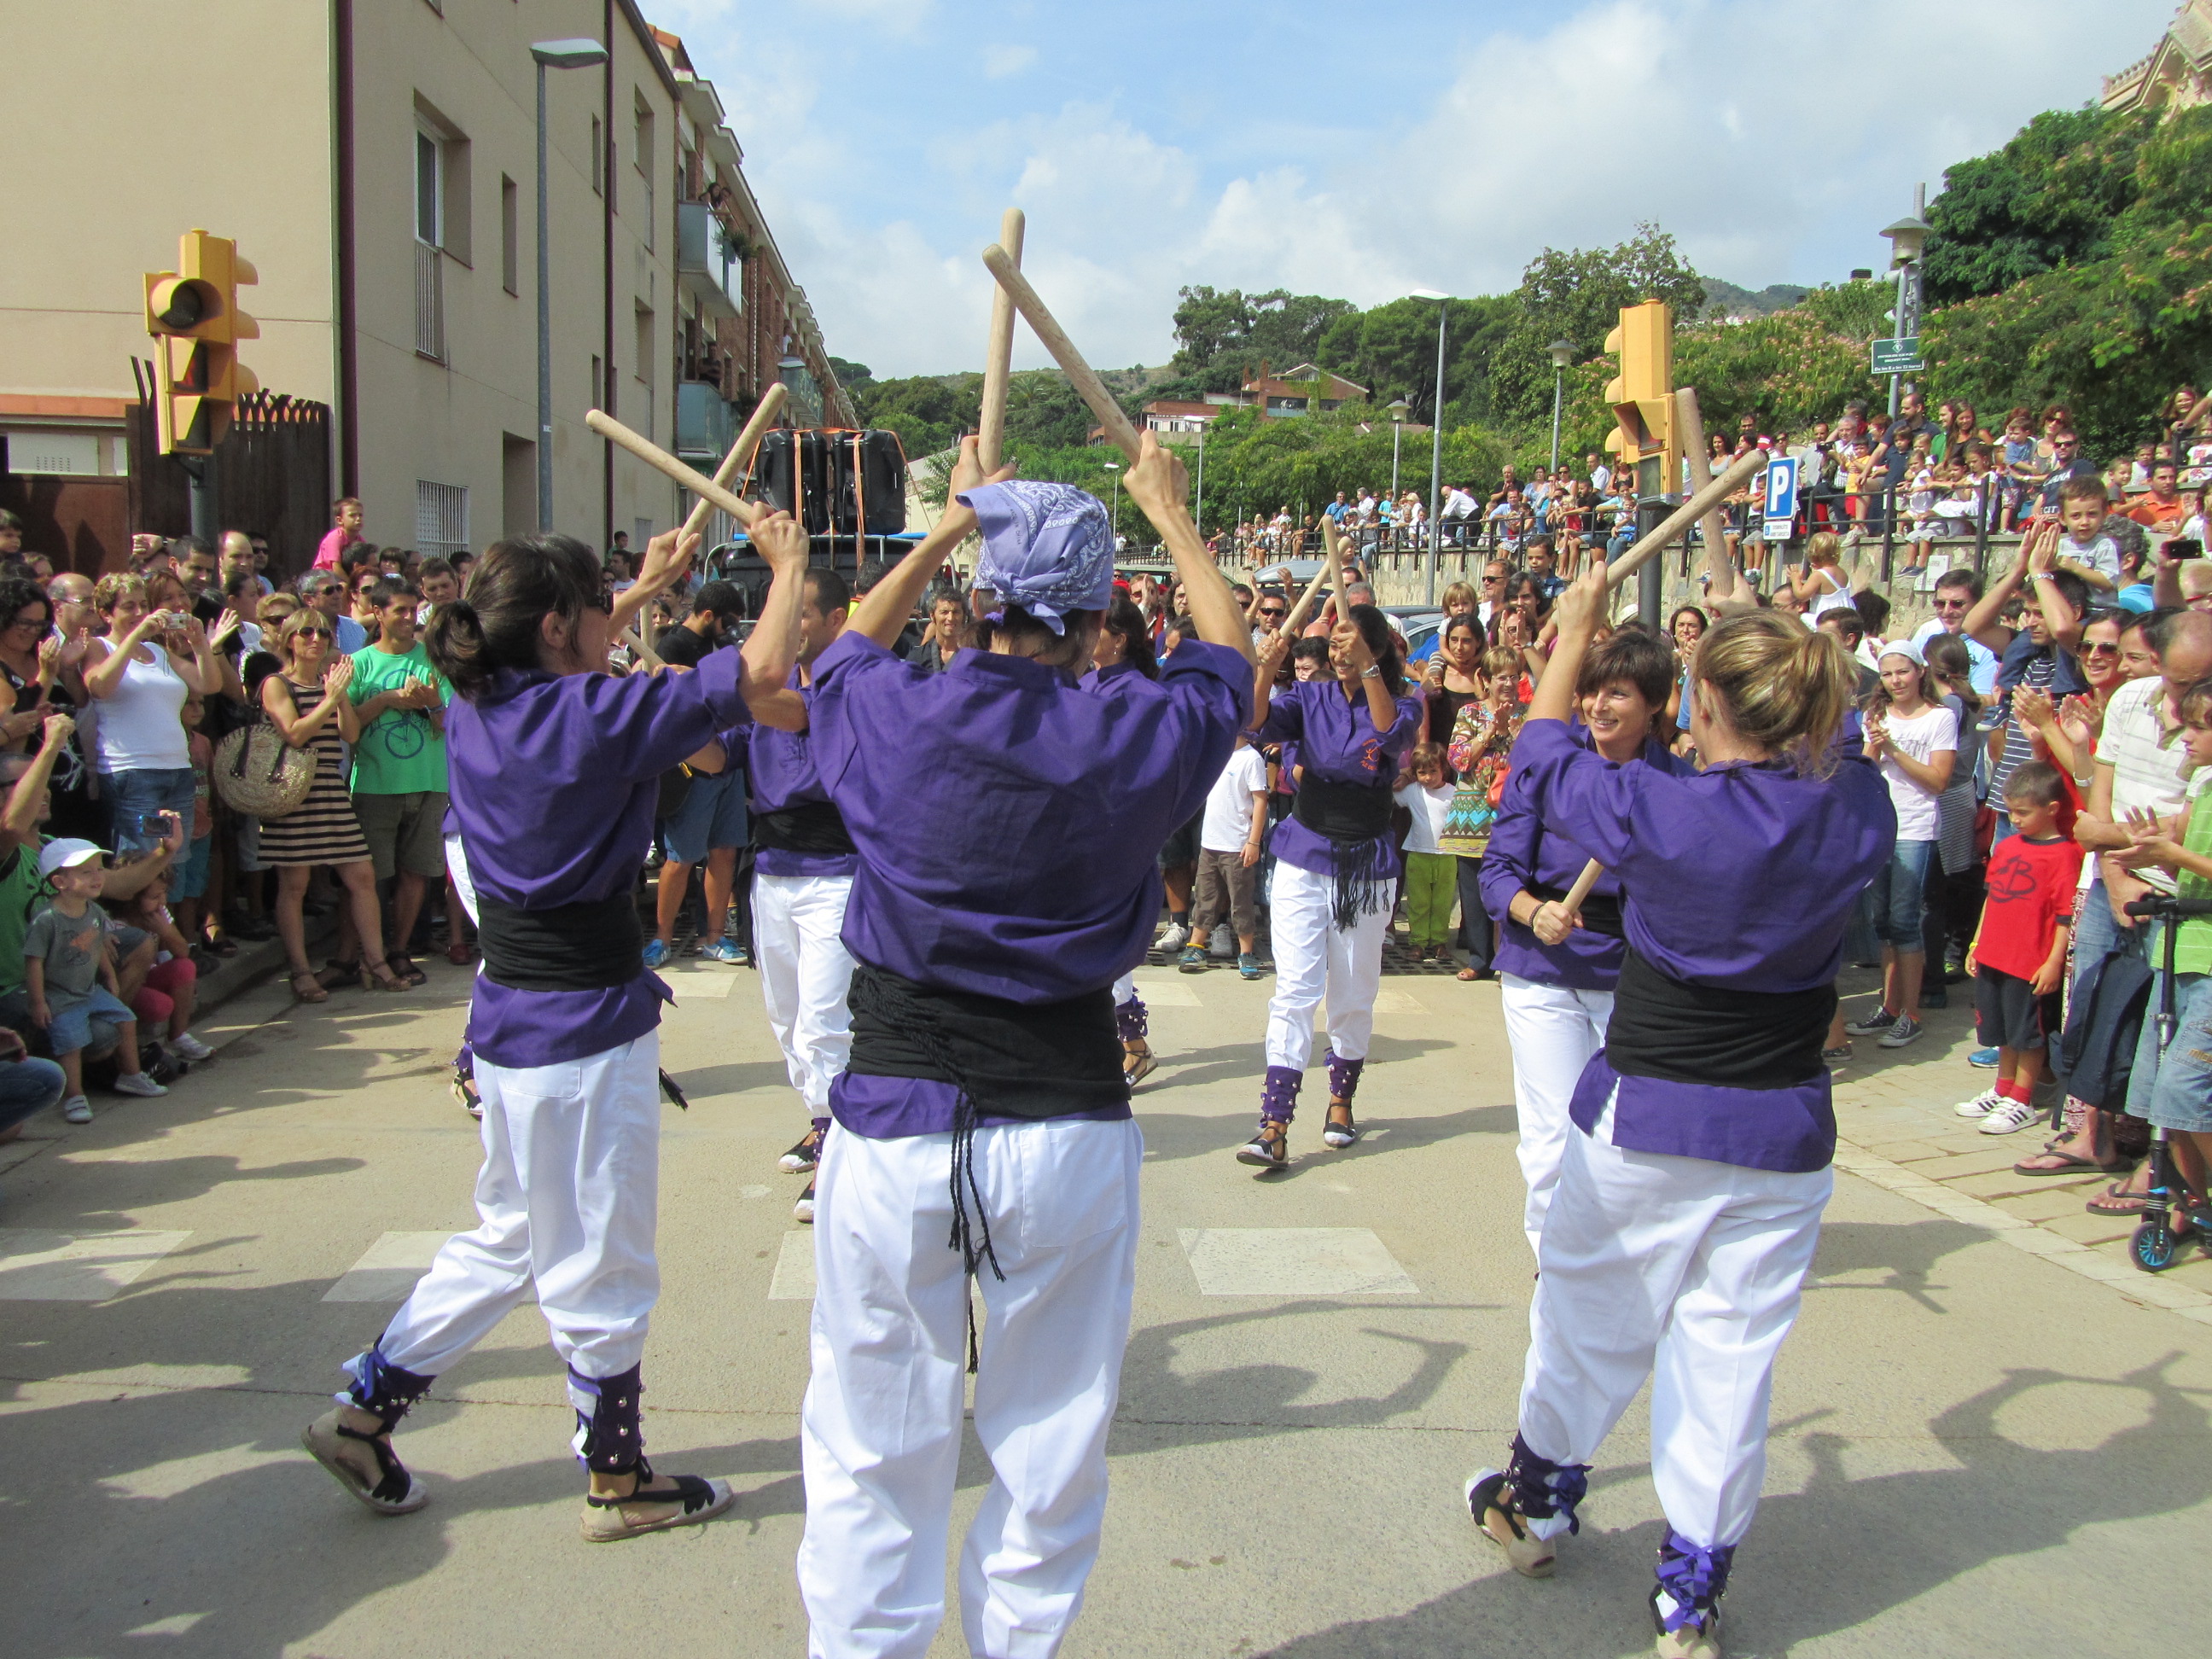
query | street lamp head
(1398,408)
(1112,466)
(1906,237)
(569,54)
(1427,293)
(1563,352)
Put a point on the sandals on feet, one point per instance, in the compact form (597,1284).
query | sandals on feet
(694,1499)
(379,976)
(1138,1065)
(1270,1149)
(1339,1134)
(1490,1501)
(404,971)
(394,1491)
(308,988)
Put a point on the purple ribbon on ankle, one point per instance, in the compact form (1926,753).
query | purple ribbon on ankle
(1694,1577)
(1278,1095)
(1344,1075)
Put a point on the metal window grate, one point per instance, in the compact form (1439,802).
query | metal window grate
(429,302)
(442,518)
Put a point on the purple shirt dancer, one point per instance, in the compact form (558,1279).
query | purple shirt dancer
(1689,1200)
(1007,816)
(556,768)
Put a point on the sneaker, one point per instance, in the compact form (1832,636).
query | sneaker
(1194,960)
(1985,1058)
(1172,939)
(803,1156)
(1836,1056)
(1980,1106)
(727,951)
(77,1109)
(137,1083)
(1247,965)
(1907,1030)
(188,1046)
(1873,1025)
(2009,1116)
(656,953)
(804,1208)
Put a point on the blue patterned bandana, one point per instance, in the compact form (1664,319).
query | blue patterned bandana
(1047,547)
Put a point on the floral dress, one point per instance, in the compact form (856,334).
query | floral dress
(1481,777)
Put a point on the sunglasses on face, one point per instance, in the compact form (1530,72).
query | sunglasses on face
(314,634)
(603,604)
(2094,650)
(1950,605)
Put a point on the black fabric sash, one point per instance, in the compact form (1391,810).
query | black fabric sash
(1601,911)
(1663,1028)
(1010,1059)
(1344,813)
(592,946)
(814,826)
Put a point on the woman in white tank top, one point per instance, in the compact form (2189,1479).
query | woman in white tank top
(141,675)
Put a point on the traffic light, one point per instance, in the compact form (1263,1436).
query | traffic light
(192,314)
(1642,396)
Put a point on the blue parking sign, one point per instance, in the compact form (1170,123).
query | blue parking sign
(1781,497)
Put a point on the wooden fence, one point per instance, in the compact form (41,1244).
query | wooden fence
(272,476)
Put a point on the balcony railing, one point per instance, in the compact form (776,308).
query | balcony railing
(705,426)
(701,264)
(430,301)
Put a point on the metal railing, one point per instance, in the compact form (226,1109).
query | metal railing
(430,301)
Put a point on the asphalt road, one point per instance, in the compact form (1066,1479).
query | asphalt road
(1975,1451)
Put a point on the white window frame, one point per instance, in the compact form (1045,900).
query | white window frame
(442,518)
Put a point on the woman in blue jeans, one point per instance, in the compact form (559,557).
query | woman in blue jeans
(1916,741)
(140,676)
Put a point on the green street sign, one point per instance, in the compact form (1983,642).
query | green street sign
(1898,356)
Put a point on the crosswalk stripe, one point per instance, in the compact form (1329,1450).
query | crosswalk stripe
(1292,1261)
(37,1266)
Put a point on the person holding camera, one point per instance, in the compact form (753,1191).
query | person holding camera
(140,676)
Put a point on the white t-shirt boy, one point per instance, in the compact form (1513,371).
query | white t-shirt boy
(1431,805)
(1227,826)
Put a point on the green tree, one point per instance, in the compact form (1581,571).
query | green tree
(2051,197)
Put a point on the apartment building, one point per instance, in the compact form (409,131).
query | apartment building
(377,164)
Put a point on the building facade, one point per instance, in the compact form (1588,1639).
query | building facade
(376,165)
(2177,74)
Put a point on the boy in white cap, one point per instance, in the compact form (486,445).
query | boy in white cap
(68,975)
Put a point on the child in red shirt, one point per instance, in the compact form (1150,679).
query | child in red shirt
(2019,955)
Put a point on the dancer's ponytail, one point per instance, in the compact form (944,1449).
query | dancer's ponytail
(1781,686)
(512,589)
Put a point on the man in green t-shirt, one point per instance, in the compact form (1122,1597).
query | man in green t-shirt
(399,764)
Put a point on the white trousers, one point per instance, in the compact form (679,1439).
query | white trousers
(1684,1271)
(1125,989)
(879,1433)
(1554,1031)
(567,1197)
(805,972)
(1313,961)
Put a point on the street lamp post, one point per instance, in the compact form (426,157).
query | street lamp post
(1435,445)
(1562,353)
(1197,518)
(549,54)
(1113,517)
(1907,237)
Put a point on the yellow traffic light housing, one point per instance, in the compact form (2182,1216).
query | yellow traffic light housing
(192,314)
(1642,396)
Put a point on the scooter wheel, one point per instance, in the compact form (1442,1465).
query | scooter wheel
(2152,1248)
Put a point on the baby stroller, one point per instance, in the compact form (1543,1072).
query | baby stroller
(2162,1231)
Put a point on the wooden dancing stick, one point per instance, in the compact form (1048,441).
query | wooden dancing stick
(1676,523)
(661,461)
(635,638)
(740,455)
(1088,386)
(998,357)
(1327,574)
(1691,424)
(1580,889)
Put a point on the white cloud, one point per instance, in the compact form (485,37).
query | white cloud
(1772,141)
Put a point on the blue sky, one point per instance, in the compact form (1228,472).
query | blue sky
(1357,151)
